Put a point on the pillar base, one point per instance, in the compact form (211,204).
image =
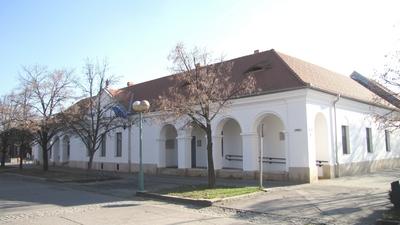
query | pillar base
(303,174)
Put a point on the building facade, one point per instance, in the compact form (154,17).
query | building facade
(310,123)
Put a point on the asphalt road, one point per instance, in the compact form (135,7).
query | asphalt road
(348,200)
(32,201)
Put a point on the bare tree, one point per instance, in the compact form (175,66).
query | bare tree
(92,117)
(387,87)
(202,89)
(15,117)
(48,93)
(8,110)
(20,137)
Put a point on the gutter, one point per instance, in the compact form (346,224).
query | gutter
(336,136)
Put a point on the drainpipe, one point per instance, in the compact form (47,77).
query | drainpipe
(336,138)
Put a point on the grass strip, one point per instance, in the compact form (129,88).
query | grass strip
(203,192)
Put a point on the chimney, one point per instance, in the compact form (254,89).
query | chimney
(256,51)
(129,83)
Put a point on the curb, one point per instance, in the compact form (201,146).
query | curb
(198,202)
(27,176)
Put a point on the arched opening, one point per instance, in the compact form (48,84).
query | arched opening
(321,143)
(198,148)
(56,150)
(66,149)
(231,145)
(272,136)
(170,145)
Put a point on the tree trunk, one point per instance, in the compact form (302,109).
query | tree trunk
(45,156)
(45,160)
(44,144)
(211,171)
(90,163)
(21,158)
(3,158)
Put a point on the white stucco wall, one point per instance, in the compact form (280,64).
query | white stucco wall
(296,112)
(358,116)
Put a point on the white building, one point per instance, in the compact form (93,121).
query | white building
(317,124)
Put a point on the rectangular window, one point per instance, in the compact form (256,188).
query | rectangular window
(119,144)
(387,140)
(345,140)
(369,139)
(103,145)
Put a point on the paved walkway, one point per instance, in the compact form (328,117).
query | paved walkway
(347,200)
(32,201)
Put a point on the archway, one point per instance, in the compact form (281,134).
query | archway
(321,143)
(198,148)
(272,136)
(170,145)
(66,149)
(231,145)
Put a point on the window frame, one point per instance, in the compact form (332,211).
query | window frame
(118,152)
(103,146)
(345,139)
(369,139)
(388,146)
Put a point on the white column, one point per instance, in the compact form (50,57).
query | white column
(62,156)
(184,151)
(250,153)
(161,152)
(217,154)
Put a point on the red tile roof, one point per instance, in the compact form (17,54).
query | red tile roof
(273,71)
(321,78)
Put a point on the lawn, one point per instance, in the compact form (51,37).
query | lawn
(203,192)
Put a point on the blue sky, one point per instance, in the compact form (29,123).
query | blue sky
(136,36)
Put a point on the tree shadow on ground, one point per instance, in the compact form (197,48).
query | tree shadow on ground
(18,192)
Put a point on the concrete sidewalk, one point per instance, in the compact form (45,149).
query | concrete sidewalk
(347,200)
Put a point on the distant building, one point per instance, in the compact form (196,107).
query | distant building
(317,124)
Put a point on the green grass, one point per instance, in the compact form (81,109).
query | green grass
(203,192)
